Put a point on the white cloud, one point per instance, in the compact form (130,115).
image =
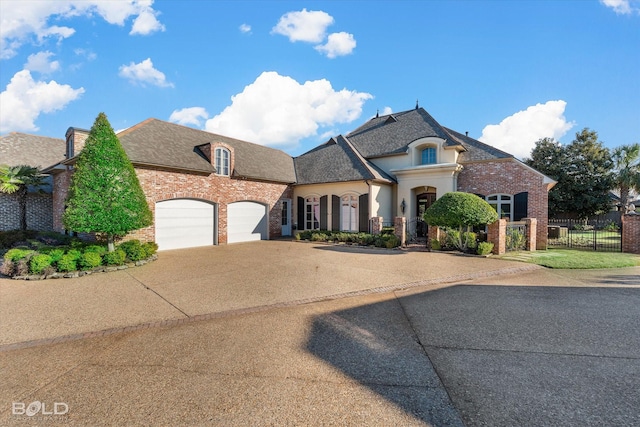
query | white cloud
(25,99)
(144,73)
(338,44)
(189,116)
(22,21)
(306,26)
(518,133)
(277,110)
(245,28)
(40,63)
(622,7)
(386,111)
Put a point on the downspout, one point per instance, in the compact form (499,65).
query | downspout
(370,207)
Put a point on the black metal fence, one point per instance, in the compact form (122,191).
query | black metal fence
(594,235)
(516,238)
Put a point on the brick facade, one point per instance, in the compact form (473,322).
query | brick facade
(510,177)
(631,233)
(159,185)
(39,212)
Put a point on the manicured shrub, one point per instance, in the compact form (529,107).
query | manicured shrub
(89,260)
(435,244)
(133,249)
(318,237)
(471,239)
(150,248)
(100,250)
(17,254)
(484,248)
(116,257)
(68,262)
(39,262)
(74,254)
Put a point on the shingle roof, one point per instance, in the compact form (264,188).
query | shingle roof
(392,134)
(336,161)
(476,150)
(32,150)
(158,143)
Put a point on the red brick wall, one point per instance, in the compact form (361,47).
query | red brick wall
(631,234)
(159,185)
(510,177)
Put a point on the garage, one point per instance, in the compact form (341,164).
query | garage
(185,223)
(246,221)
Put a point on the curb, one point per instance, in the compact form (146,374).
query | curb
(262,308)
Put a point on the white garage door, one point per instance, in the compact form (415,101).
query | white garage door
(246,221)
(184,223)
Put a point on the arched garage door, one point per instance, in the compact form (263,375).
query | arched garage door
(246,221)
(185,223)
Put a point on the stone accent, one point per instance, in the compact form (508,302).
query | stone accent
(510,177)
(400,229)
(497,234)
(39,212)
(376,225)
(631,233)
(532,224)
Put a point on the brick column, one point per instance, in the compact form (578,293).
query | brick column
(631,233)
(497,234)
(376,225)
(532,226)
(400,229)
(434,234)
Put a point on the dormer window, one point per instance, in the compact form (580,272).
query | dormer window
(428,156)
(222,161)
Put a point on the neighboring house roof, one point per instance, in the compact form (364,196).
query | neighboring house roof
(163,144)
(336,161)
(392,134)
(32,150)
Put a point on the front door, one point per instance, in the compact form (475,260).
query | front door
(424,200)
(286,217)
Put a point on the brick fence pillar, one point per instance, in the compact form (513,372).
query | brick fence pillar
(631,233)
(497,234)
(400,229)
(532,229)
(434,234)
(376,225)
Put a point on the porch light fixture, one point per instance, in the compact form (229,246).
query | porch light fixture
(403,205)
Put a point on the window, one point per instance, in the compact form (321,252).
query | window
(349,213)
(312,213)
(222,161)
(428,156)
(503,204)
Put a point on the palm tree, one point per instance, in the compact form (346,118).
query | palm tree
(627,171)
(17,179)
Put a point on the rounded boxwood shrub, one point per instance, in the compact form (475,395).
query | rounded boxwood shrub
(484,248)
(150,248)
(133,250)
(100,250)
(89,260)
(39,262)
(68,262)
(116,257)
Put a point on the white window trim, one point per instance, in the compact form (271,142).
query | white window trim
(353,221)
(219,161)
(315,207)
(497,204)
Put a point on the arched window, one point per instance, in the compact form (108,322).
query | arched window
(503,204)
(222,157)
(428,156)
(349,213)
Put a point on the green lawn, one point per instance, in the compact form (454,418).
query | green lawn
(571,258)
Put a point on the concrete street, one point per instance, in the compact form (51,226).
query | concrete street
(289,333)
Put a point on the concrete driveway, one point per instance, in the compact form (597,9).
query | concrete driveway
(345,337)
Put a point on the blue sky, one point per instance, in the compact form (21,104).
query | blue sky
(292,74)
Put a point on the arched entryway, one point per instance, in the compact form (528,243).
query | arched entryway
(423,201)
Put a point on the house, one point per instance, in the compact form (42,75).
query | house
(398,164)
(17,149)
(208,189)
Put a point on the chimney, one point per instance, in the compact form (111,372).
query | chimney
(76,138)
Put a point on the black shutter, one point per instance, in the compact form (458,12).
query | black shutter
(482,196)
(300,213)
(363,206)
(323,212)
(520,205)
(335,213)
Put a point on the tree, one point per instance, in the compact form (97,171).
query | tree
(626,165)
(458,210)
(582,170)
(105,195)
(18,179)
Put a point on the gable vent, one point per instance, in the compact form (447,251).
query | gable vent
(391,119)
